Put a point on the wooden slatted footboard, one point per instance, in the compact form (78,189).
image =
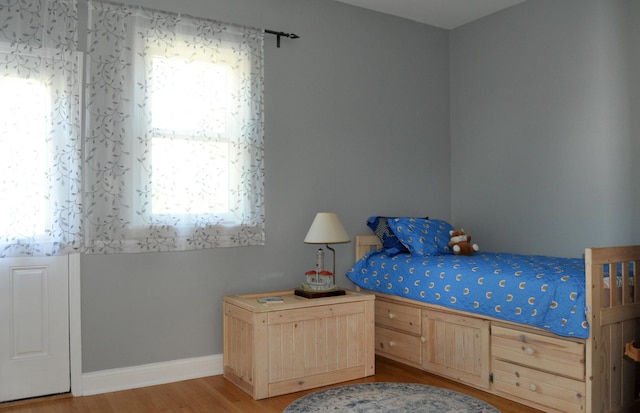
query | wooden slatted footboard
(613,380)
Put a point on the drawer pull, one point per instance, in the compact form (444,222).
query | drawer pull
(423,339)
(529,351)
(392,343)
(391,315)
(533,387)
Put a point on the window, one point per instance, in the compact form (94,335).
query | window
(174,132)
(173,150)
(23,121)
(40,151)
(190,102)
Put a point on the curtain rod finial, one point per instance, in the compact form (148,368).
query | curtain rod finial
(281,34)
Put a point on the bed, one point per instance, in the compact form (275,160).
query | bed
(491,333)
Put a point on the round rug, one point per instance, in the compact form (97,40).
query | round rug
(388,398)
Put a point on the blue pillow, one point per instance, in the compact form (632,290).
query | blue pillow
(390,243)
(422,236)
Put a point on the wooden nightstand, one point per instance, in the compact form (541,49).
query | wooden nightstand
(298,344)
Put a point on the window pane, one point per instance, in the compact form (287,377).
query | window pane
(190,176)
(189,169)
(23,158)
(189,97)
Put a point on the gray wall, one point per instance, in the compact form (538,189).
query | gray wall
(632,31)
(357,122)
(545,126)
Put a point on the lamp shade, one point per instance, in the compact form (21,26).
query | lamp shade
(326,228)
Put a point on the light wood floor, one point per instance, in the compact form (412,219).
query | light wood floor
(215,394)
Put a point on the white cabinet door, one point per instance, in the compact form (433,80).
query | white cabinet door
(34,327)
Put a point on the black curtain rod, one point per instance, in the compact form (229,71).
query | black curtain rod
(281,34)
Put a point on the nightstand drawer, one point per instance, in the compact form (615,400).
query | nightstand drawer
(399,317)
(561,393)
(398,345)
(561,357)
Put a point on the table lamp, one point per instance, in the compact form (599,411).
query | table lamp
(326,228)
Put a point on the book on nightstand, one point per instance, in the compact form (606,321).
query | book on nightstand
(271,300)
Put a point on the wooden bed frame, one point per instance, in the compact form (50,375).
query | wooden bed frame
(523,363)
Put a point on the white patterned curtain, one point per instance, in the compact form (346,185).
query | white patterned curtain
(174,137)
(40,150)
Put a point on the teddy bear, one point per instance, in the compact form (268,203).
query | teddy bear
(461,243)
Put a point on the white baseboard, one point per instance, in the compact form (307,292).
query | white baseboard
(106,381)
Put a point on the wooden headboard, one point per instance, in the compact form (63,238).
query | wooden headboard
(366,243)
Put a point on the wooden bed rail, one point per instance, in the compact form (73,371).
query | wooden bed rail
(607,255)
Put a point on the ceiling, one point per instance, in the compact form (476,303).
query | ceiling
(446,14)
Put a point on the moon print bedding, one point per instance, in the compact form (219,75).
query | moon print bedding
(541,291)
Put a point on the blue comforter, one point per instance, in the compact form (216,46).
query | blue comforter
(544,292)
